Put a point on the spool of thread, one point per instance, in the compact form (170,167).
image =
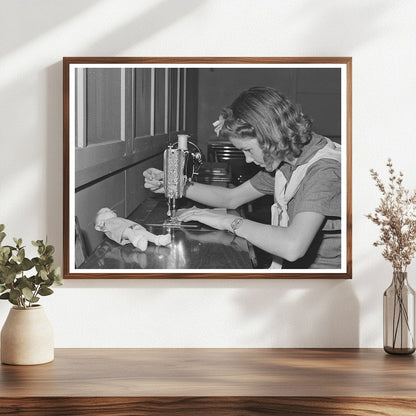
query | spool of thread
(183,141)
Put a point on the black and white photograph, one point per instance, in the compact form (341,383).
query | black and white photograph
(231,168)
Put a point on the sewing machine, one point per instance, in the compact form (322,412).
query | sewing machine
(179,166)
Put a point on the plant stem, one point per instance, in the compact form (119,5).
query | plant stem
(401,314)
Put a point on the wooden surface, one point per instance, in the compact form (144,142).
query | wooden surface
(212,381)
(196,248)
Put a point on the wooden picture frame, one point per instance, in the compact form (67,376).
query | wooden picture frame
(120,113)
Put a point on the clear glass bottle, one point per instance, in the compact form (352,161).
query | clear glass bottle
(399,316)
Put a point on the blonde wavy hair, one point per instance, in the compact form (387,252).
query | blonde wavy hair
(279,126)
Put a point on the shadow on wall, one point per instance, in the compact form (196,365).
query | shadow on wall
(54,146)
(139,28)
(44,16)
(300,313)
(158,17)
(336,18)
(287,313)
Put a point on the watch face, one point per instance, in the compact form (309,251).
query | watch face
(236,223)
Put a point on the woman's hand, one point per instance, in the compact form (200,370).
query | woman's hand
(153,180)
(208,217)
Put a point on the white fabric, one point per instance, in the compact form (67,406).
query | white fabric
(284,192)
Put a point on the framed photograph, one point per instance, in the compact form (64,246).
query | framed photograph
(207,168)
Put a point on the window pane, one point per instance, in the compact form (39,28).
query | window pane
(181,99)
(142,101)
(173,99)
(160,100)
(103,110)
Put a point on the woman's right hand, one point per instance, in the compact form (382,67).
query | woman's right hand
(153,180)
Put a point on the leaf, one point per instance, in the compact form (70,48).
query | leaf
(21,255)
(1,227)
(43,275)
(45,291)
(30,297)
(37,280)
(47,261)
(5,253)
(27,293)
(2,236)
(18,242)
(24,282)
(13,302)
(57,276)
(5,250)
(15,294)
(7,297)
(2,288)
(48,282)
(8,277)
(26,264)
(49,250)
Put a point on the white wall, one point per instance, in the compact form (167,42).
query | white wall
(380,35)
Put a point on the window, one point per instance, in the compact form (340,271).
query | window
(124,115)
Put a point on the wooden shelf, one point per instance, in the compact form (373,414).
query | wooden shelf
(212,382)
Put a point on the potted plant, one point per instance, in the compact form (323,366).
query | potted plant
(27,336)
(396,217)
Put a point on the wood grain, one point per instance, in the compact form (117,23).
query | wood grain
(212,381)
(208,406)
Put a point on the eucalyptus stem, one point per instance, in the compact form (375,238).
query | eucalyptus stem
(35,294)
(21,276)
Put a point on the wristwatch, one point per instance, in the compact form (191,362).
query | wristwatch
(236,223)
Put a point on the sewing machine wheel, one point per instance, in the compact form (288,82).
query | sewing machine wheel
(193,161)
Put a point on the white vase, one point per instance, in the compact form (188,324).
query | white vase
(27,337)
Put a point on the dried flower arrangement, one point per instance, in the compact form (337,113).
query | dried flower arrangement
(396,216)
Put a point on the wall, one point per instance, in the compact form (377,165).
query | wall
(378,34)
(317,91)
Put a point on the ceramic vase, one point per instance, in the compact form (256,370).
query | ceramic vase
(27,337)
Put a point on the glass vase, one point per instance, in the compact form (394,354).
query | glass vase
(399,316)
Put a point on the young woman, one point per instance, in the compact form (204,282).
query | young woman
(301,169)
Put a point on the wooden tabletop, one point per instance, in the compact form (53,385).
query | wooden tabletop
(220,381)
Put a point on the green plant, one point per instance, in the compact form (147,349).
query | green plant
(15,284)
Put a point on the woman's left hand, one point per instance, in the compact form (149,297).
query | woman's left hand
(208,217)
